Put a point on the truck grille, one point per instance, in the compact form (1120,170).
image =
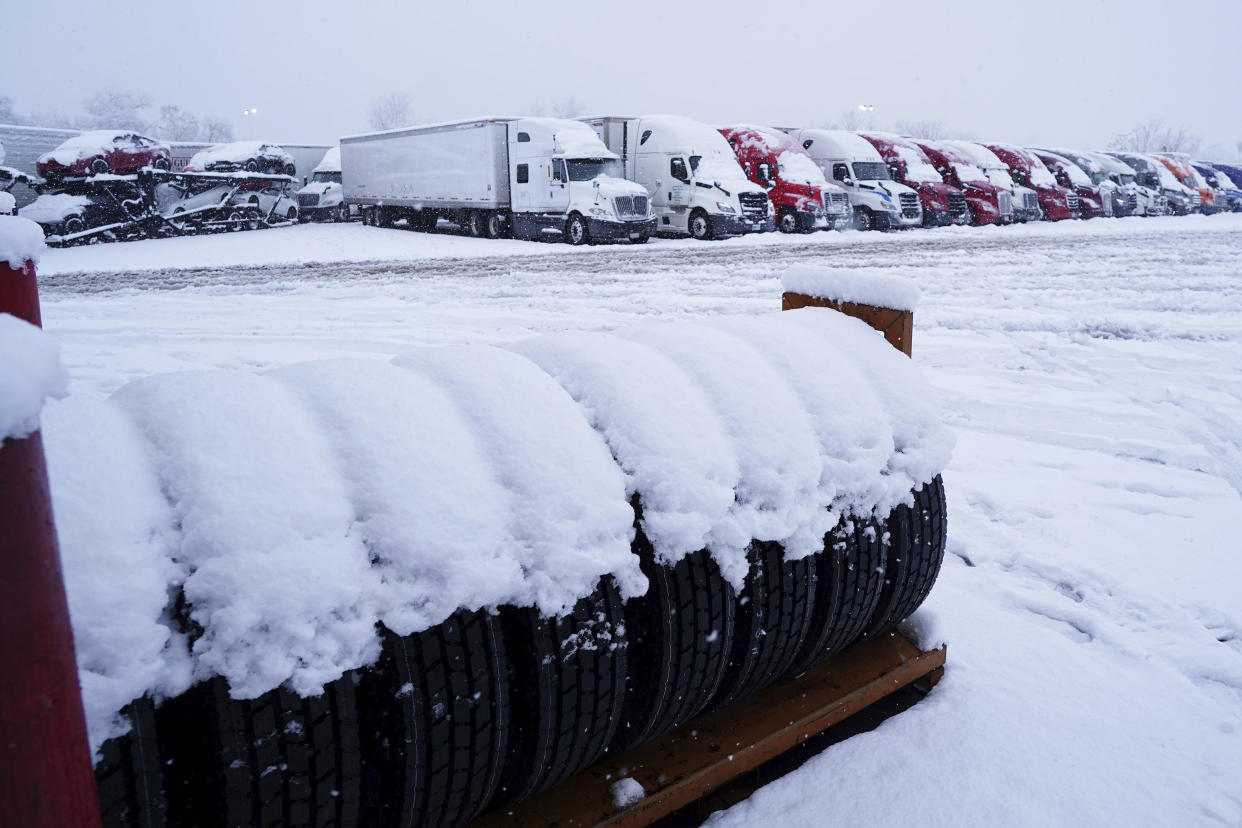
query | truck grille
(754,205)
(1132,201)
(1071,201)
(1195,200)
(308,200)
(836,204)
(1004,203)
(957,203)
(631,207)
(1030,202)
(909,205)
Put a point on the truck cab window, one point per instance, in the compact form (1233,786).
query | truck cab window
(645,136)
(523,173)
(523,138)
(677,169)
(765,172)
(558,170)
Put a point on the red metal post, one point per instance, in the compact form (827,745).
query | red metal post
(46,777)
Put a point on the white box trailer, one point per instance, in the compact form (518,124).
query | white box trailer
(532,177)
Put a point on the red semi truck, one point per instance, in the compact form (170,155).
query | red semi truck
(986,202)
(802,198)
(1056,202)
(1071,176)
(943,203)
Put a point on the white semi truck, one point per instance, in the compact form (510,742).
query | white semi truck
(534,178)
(849,159)
(324,198)
(696,185)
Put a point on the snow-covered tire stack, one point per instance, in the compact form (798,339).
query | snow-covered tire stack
(773,618)
(566,684)
(916,540)
(433,715)
(128,776)
(272,761)
(680,634)
(849,578)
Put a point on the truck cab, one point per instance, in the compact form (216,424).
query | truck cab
(1154,174)
(696,186)
(879,202)
(1056,203)
(1227,190)
(943,203)
(1179,164)
(1092,202)
(986,201)
(803,199)
(1025,200)
(1145,200)
(1117,199)
(323,198)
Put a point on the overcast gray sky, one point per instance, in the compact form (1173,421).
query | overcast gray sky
(1067,72)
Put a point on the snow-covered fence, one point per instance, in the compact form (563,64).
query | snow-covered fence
(886,303)
(45,769)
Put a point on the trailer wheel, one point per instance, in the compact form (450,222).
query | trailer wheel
(251,166)
(576,231)
(848,585)
(566,686)
(74,224)
(494,225)
(276,760)
(773,617)
(100,166)
(914,553)
(290,170)
(254,218)
(433,712)
(788,222)
(128,778)
(680,636)
(475,223)
(701,226)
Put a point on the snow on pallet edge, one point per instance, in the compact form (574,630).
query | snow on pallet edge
(296,509)
(869,288)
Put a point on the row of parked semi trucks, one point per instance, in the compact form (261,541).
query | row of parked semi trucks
(609,178)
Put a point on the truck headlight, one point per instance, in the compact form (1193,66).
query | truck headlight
(725,207)
(600,210)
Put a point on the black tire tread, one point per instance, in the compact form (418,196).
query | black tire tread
(433,715)
(127,777)
(915,551)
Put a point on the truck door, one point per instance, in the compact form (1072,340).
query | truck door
(557,187)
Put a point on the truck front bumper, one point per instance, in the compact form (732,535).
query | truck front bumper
(605,230)
(943,218)
(726,225)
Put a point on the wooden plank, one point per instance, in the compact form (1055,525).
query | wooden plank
(712,750)
(896,325)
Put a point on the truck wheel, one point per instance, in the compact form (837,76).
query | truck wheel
(128,778)
(100,166)
(160,163)
(788,222)
(701,226)
(773,617)
(680,635)
(254,218)
(643,237)
(914,554)
(566,686)
(475,224)
(342,213)
(849,579)
(433,715)
(494,225)
(864,218)
(278,759)
(576,230)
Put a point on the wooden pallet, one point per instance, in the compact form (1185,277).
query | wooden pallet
(709,752)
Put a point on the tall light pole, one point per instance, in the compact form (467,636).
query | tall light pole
(246,113)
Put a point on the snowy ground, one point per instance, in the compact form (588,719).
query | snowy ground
(1092,372)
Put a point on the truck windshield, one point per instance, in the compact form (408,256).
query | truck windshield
(584,169)
(870,171)
(327,177)
(970,174)
(1126,179)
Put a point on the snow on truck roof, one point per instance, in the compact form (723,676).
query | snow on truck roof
(331,161)
(980,154)
(838,143)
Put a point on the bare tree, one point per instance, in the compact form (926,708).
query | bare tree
(391,111)
(175,124)
(7,115)
(569,107)
(116,108)
(216,131)
(931,130)
(852,119)
(1155,136)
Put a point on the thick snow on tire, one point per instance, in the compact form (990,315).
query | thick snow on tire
(681,634)
(773,616)
(273,761)
(433,714)
(915,550)
(566,686)
(849,579)
(128,778)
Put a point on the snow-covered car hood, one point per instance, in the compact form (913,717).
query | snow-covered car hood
(319,187)
(49,209)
